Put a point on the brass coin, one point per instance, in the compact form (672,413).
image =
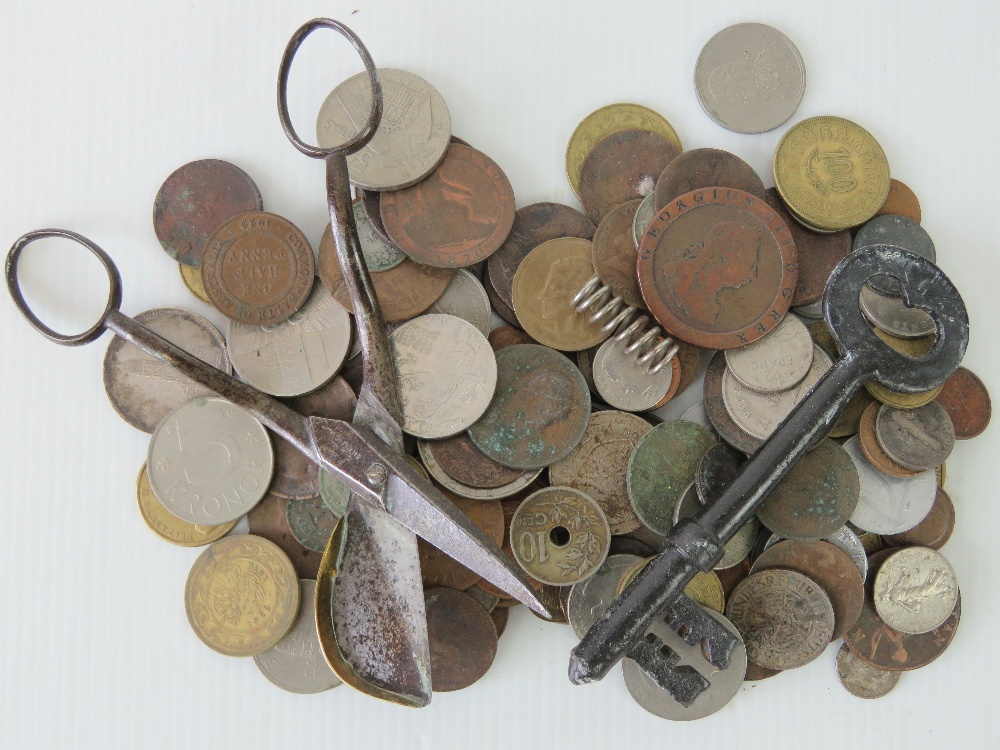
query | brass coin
(605,121)
(461,460)
(831,172)
(544,283)
(934,531)
(269,520)
(437,568)
(901,201)
(169,527)
(870,446)
(614,253)
(702,168)
(192,280)
(242,595)
(941,473)
(462,639)
(965,398)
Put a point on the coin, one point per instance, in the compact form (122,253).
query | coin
(335,493)
(861,679)
(379,255)
(624,382)
(603,122)
(559,536)
(242,595)
(704,588)
(731,576)
(169,527)
(412,135)
(590,597)
(738,548)
(296,662)
(621,167)
(459,457)
(465,298)
(457,216)
(462,637)
(499,616)
(715,470)
(936,528)
(775,362)
(194,200)
(643,215)
(523,481)
(714,406)
(915,590)
(141,388)
(488,601)
(691,359)
(889,505)
(912,347)
(501,308)
(965,398)
(311,522)
(192,280)
(269,519)
(503,336)
(901,201)
(749,78)
(615,250)
(847,541)
(831,172)
(371,202)
(899,232)
(893,316)
(717,268)
(704,168)
(437,568)
(918,439)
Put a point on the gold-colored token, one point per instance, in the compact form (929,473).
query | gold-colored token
(192,280)
(605,121)
(911,348)
(871,542)
(242,595)
(831,173)
(166,525)
(941,472)
(704,588)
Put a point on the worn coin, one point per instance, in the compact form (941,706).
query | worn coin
(459,457)
(720,465)
(643,215)
(242,595)
(717,267)
(899,232)
(936,528)
(738,548)
(311,522)
(379,255)
(714,405)
(437,568)
(861,679)
(703,168)
(503,336)
(918,439)
(295,474)
(965,398)
(169,527)
(590,597)
(731,576)
(522,483)
(749,78)
(411,138)
(889,505)
(893,316)
(269,519)
(192,280)
(141,388)
(625,383)
(462,639)
(901,201)
(915,590)
(615,250)
(194,200)
(335,493)
(465,298)
(371,202)
(501,308)
(775,362)
(704,588)
(500,616)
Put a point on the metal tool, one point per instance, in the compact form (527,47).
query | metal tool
(697,542)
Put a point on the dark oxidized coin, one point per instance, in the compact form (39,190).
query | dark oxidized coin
(269,520)
(503,336)
(965,398)
(705,168)
(718,414)
(311,522)
(295,475)
(501,308)
(730,577)
(461,460)
(437,568)
(462,637)
(934,531)
(715,470)
(614,253)
(691,359)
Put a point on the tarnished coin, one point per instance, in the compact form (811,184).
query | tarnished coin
(457,216)
(590,597)
(169,527)
(601,123)
(488,601)
(194,200)
(901,201)
(371,202)
(897,231)
(209,461)
(500,616)
(523,483)
(379,255)
(918,439)
(703,168)
(465,463)
(623,382)
(720,465)
(911,347)
(965,398)
(598,465)
(777,361)
(311,522)
(845,540)
(465,298)
(192,280)
(296,662)
(893,316)
(242,595)
(412,136)
(501,308)
(915,590)
(141,388)
(749,78)
(269,519)
(704,588)
(661,468)
(559,536)
(437,568)
(335,493)
(717,267)
(861,679)
(730,577)
(258,268)
(614,253)
(717,412)
(785,618)
(462,638)
(503,336)
(936,528)
(831,173)
(738,548)
(889,505)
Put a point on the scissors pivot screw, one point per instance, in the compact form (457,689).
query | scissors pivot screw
(376,475)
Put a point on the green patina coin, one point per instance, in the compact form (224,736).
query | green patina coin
(662,467)
(311,522)
(335,493)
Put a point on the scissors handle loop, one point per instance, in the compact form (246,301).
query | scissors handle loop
(360,140)
(14,286)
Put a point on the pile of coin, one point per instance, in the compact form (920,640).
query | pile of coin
(541,430)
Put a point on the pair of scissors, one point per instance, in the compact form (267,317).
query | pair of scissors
(370,604)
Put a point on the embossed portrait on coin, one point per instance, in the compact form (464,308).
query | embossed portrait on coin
(455,377)
(558,289)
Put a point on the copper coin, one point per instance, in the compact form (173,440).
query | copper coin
(335,400)
(500,307)
(312,522)
(901,201)
(934,531)
(614,253)
(702,168)
(868,441)
(622,167)
(691,358)
(194,200)
(718,268)
(269,520)
(460,459)
(503,336)
(462,637)
(258,268)
(533,225)
(827,565)
(500,615)
(371,203)
(965,398)
(457,216)
(730,577)
(818,253)
(718,414)
(437,568)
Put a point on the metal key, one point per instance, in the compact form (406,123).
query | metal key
(697,542)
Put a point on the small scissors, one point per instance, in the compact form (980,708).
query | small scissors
(369,598)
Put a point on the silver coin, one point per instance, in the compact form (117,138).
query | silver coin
(918,439)
(758,414)
(898,231)
(296,663)
(860,678)
(379,254)
(590,597)
(749,78)
(144,390)
(915,590)
(737,548)
(812,312)
(297,355)
(447,373)
(411,139)
(209,461)
(777,361)
(623,383)
(473,493)
(643,215)
(465,298)
(723,684)
(889,505)
(891,315)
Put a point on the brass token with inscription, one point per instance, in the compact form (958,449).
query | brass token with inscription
(169,527)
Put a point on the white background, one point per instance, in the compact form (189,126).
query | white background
(100,101)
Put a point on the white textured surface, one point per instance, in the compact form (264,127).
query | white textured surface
(102,100)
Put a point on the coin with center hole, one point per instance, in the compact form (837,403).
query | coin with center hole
(861,679)
(965,398)
(776,362)
(919,439)
(915,590)
(462,639)
(701,168)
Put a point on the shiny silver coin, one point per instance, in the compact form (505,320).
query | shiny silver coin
(749,78)
(898,231)
(209,461)
(918,439)
(737,548)
(297,355)
(296,663)
(144,390)
(623,383)
(891,315)
(861,679)
(589,598)
(915,590)
(723,684)
(643,215)
(777,361)
(379,254)
(889,505)
(844,539)
(411,139)
(447,373)
(465,298)
(473,493)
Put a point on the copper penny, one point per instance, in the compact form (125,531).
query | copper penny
(500,307)
(868,441)
(965,398)
(462,637)
(503,336)
(622,167)
(934,531)
(901,201)
(457,216)
(614,253)
(755,672)
(702,168)
(437,568)
(258,268)
(718,268)
(533,225)
(269,520)
(718,414)
(194,200)
(460,459)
